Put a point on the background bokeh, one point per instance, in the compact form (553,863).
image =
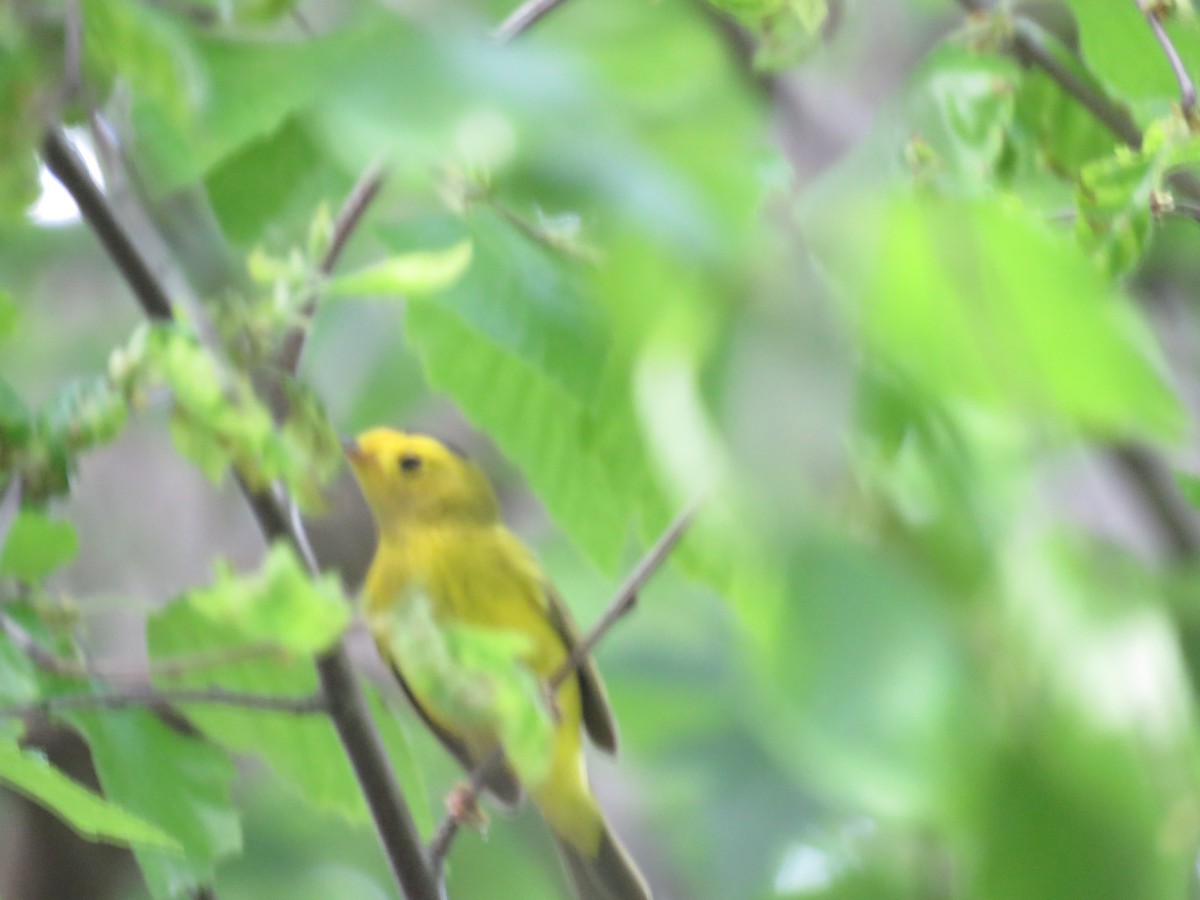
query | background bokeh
(918,327)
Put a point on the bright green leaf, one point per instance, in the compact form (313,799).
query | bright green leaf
(37,545)
(302,750)
(522,295)
(977,301)
(1121,49)
(84,810)
(281,604)
(407,275)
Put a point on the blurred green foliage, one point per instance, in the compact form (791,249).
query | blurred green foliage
(892,659)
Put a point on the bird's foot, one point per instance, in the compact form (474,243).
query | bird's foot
(462,803)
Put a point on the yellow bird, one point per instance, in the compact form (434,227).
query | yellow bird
(441,537)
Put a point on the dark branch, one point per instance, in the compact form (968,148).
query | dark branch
(1187,89)
(346,704)
(621,604)
(148,695)
(62,159)
(523,18)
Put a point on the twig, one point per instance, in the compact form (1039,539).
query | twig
(345,702)
(1176,520)
(621,604)
(148,695)
(523,18)
(10,505)
(365,190)
(165,668)
(72,50)
(62,159)
(1187,89)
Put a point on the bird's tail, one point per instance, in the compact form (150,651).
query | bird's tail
(609,875)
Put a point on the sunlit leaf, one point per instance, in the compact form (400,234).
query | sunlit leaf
(302,750)
(408,274)
(281,604)
(84,810)
(37,545)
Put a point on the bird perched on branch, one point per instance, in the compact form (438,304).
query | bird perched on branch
(443,551)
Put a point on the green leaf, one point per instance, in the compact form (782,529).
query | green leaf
(302,750)
(249,87)
(787,29)
(471,676)
(409,274)
(37,545)
(574,464)
(85,413)
(87,812)
(520,295)
(14,417)
(148,51)
(178,783)
(1067,133)
(10,314)
(281,604)
(1114,208)
(1121,49)
(838,671)
(977,302)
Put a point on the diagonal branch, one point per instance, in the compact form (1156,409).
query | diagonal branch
(364,192)
(10,505)
(345,701)
(523,18)
(621,604)
(148,695)
(1187,88)
(175,667)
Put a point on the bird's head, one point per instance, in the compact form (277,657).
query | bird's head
(416,479)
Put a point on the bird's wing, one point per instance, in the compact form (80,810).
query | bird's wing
(501,781)
(597,713)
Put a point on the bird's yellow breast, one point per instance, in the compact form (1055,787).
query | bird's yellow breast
(476,575)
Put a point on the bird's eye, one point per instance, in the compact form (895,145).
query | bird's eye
(410,463)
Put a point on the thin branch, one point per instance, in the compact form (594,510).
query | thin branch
(346,704)
(1175,519)
(1187,89)
(621,604)
(365,190)
(1029,48)
(72,50)
(523,18)
(10,505)
(1172,515)
(148,695)
(175,667)
(63,160)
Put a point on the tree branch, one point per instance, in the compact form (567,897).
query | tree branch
(621,604)
(148,695)
(166,668)
(10,505)
(1187,89)
(365,190)
(523,18)
(346,704)
(1175,519)
(61,159)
